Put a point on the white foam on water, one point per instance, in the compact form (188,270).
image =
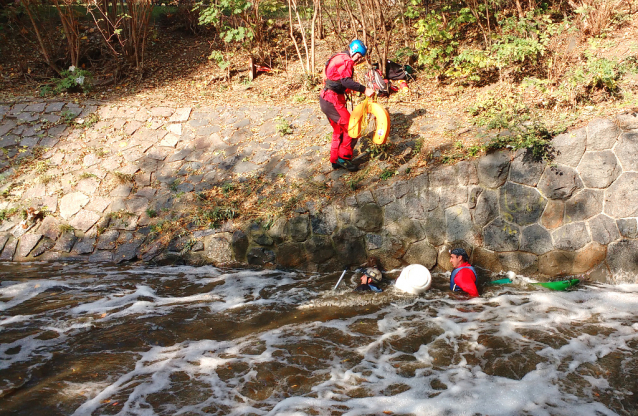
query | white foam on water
(20,292)
(515,350)
(24,350)
(237,289)
(14,319)
(87,390)
(469,389)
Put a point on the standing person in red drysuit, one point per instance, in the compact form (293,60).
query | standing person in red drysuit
(463,276)
(338,75)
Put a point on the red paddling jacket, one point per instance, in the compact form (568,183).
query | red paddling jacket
(339,71)
(464,278)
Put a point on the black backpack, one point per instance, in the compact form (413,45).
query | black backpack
(395,71)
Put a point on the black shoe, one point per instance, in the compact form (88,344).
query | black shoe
(346,164)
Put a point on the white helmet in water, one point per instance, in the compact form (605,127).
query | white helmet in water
(414,279)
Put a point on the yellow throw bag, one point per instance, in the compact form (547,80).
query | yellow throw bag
(356,119)
(383,122)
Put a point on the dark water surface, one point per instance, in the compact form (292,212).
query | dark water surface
(82,339)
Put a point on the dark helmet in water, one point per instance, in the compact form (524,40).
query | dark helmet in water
(373,273)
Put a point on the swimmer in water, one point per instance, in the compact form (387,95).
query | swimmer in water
(370,276)
(463,278)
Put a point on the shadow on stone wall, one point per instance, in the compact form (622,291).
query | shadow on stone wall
(510,212)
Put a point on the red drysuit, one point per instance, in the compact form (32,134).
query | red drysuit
(339,70)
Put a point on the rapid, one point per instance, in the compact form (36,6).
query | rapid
(86,339)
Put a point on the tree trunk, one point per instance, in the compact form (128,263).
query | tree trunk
(336,27)
(303,37)
(321,35)
(520,9)
(43,48)
(363,22)
(292,34)
(316,5)
(70,27)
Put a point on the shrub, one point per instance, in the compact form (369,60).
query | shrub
(219,59)
(216,13)
(71,80)
(521,127)
(218,214)
(596,73)
(437,38)
(595,16)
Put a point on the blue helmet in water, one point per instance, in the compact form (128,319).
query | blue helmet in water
(356,46)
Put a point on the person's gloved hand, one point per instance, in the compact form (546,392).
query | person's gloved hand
(369,92)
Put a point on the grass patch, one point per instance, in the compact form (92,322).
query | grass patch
(66,228)
(166,228)
(100,152)
(123,178)
(120,214)
(87,175)
(41,166)
(227,188)
(45,179)
(214,217)
(387,174)
(90,120)
(283,126)
(5,214)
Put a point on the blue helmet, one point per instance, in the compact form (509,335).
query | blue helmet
(356,46)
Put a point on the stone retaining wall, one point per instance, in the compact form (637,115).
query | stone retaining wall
(577,216)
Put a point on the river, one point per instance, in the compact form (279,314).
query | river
(86,339)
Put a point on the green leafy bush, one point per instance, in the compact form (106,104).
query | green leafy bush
(518,126)
(522,39)
(514,44)
(219,59)
(534,137)
(596,73)
(218,13)
(437,38)
(72,80)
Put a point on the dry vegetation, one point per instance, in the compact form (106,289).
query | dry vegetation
(551,66)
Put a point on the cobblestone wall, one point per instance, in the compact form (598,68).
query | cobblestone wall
(576,216)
